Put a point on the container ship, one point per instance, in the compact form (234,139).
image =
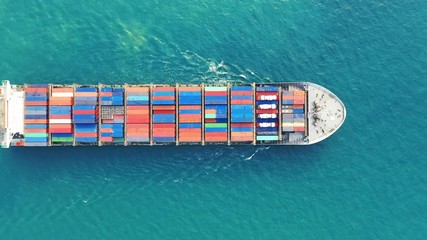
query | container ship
(295,113)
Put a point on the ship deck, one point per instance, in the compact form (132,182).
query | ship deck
(154,114)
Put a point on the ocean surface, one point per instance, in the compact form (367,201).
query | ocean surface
(367,181)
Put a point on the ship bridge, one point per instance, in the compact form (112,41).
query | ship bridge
(11,113)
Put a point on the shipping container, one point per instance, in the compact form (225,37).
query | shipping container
(293,111)
(138,115)
(61,127)
(190,114)
(86,115)
(112,115)
(163,114)
(242,114)
(216,114)
(36,115)
(267,113)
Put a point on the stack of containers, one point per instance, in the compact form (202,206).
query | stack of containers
(60,125)
(242,114)
(36,117)
(85,114)
(216,119)
(298,111)
(112,115)
(163,114)
(138,114)
(267,101)
(287,111)
(293,119)
(190,114)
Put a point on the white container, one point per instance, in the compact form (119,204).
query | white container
(59,120)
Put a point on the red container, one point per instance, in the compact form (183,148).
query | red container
(235,102)
(163,125)
(36,103)
(186,107)
(270,111)
(106,139)
(41,90)
(84,134)
(163,89)
(169,107)
(164,112)
(163,97)
(60,130)
(138,107)
(35,130)
(242,125)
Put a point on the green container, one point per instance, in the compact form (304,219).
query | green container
(267,138)
(36,134)
(215,89)
(210,116)
(216,125)
(62,139)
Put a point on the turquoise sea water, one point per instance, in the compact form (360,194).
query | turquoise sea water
(368,181)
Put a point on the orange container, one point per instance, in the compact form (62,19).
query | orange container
(137,89)
(241,102)
(163,89)
(37,121)
(138,107)
(36,103)
(170,107)
(35,130)
(190,89)
(63,101)
(186,107)
(86,94)
(60,90)
(41,90)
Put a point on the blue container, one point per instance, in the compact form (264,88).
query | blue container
(163,118)
(35,126)
(35,99)
(267,89)
(86,89)
(62,135)
(106,89)
(35,108)
(238,97)
(216,129)
(164,94)
(36,139)
(35,117)
(37,85)
(241,88)
(86,140)
(242,129)
(81,107)
(163,102)
(163,139)
(190,125)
